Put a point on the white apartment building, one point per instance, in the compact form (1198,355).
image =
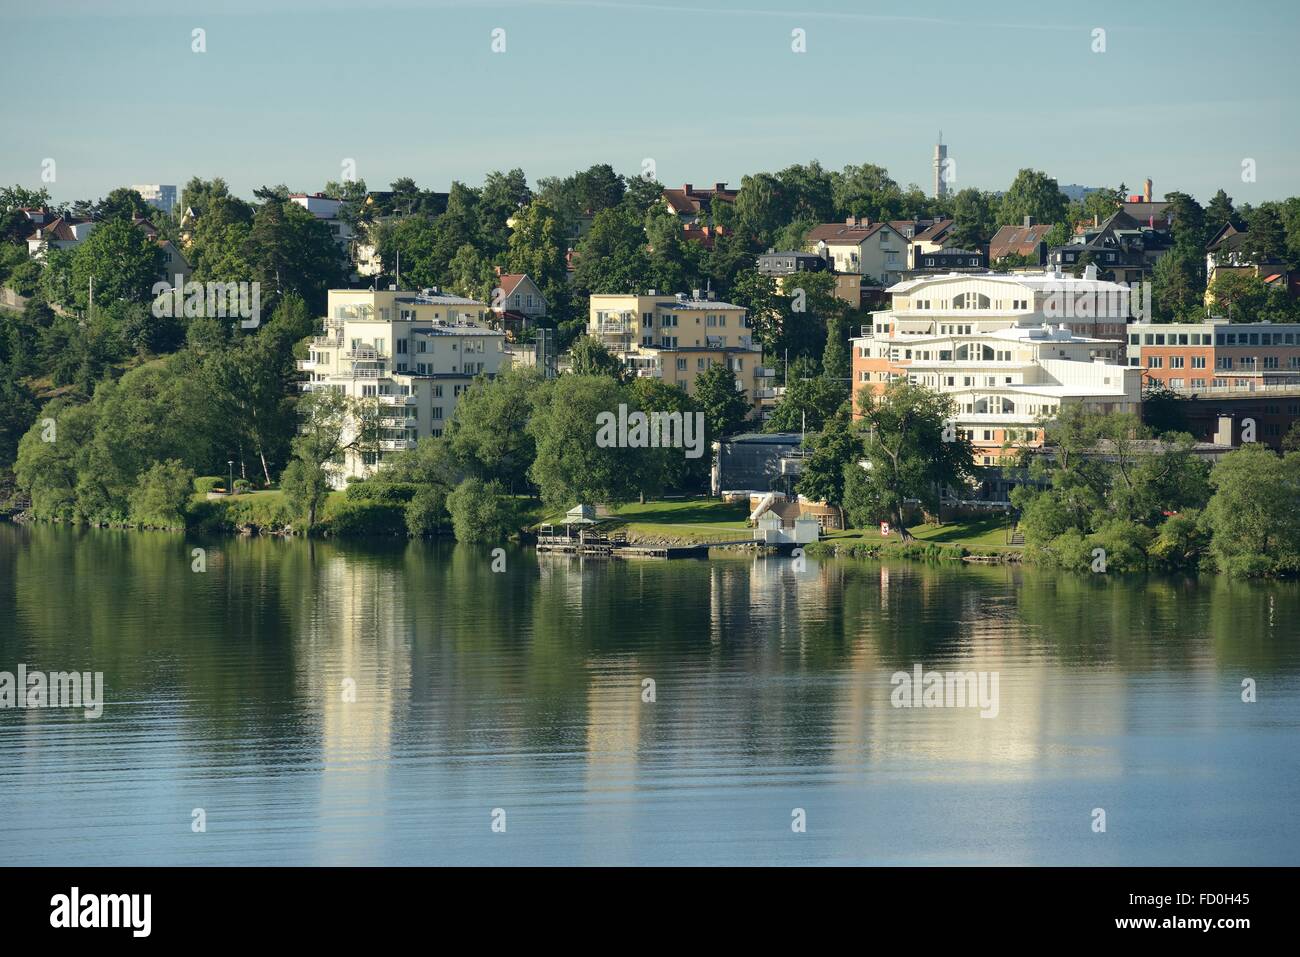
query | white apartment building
(413,354)
(1008,348)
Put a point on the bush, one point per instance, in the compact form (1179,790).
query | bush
(162,495)
(207,483)
(426,512)
(1180,542)
(481,512)
(353,519)
(385,493)
(243,486)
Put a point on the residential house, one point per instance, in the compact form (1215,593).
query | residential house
(1228,252)
(858,246)
(517,301)
(61,232)
(1028,240)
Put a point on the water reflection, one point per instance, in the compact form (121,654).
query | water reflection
(343,703)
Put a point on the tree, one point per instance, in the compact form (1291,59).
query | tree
(833,450)
(162,497)
(588,356)
(570,466)
(912,452)
(1220,211)
(807,405)
(122,262)
(489,432)
(612,257)
(332,425)
(537,248)
(975,215)
(292,251)
(124,203)
(865,190)
(726,408)
(482,512)
(1032,193)
(1254,514)
(763,206)
(1239,295)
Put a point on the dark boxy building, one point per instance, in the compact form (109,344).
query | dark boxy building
(758,462)
(772,263)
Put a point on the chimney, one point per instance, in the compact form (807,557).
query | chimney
(722,187)
(1029,221)
(850,220)
(1095,220)
(686,187)
(1146,190)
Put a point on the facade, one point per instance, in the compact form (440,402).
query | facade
(773,263)
(676,337)
(1122,247)
(1215,355)
(861,247)
(413,354)
(1003,381)
(948,259)
(158,196)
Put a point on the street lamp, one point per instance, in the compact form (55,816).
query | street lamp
(230,489)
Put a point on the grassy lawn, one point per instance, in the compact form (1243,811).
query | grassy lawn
(687,520)
(988,533)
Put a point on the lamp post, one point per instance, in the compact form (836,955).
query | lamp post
(230,490)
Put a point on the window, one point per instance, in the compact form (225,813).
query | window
(437,413)
(1198,362)
(1175,362)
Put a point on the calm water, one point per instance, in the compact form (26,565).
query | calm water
(523,691)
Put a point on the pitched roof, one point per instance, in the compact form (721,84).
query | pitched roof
(57,229)
(689,199)
(841,234)
(935,232)
(1017,240)
(509,280)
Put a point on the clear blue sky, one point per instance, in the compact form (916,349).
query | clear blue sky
(290,88)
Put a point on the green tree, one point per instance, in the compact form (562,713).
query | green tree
(120,260)
(588,356)
(489,432)
(807,405)
(570,466)
(1254,514)
(912,452)
(482,512)
(162,497)
(726,408)
(1032,193)
(832,452)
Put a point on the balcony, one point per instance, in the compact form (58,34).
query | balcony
(650,373)
(397,400)
(305,365)
(764,372)
(365,354)
(396,445)
(765,393)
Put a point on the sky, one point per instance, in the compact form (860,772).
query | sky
(287,91)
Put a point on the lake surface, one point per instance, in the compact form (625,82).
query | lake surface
(485,696)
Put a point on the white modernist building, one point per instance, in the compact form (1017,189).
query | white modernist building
(413,354)
(1010,349)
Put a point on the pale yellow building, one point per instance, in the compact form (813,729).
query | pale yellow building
(676,337)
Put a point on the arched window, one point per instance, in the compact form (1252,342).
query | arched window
(971,300)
